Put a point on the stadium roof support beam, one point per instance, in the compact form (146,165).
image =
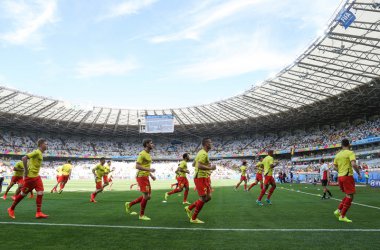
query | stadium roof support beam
(105,122)
(31,107)
(72,119)
(117,122)
(83,120)
(307,88)
(96,118)
(40,111)
(21,102)
(261,102)
(8,97)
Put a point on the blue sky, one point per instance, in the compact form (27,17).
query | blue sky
(152,53)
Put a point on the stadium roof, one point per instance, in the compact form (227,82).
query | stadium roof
(341,62)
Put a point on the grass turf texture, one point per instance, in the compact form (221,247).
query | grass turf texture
(228,210)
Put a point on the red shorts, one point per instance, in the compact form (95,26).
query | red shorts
(99,185)
(63,178)
(105,179)
(269,180)
(144,184)
(109,179)
(57,177)
(347,184)
(259,177)
(183,182)
(32,183)
(17,179)
(203,186)
(243,178)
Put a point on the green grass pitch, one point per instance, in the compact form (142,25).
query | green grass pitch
(72,216)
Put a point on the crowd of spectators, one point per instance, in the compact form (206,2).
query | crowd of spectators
(65,145)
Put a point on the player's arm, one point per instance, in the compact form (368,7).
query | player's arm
(152,176)
(141,168)
(93,171)
(203,166)
(180,170)
(25,162)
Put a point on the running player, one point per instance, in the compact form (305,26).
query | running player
(98,172)
(345,162)
(324,172)
(32,179)
(268,164)
(243,177)
(259,175)
(59,174)
(65,175)
(182,179)
(144,160)
(17,178)
(202,181)
(134,184)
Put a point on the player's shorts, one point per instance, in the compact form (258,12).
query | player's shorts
(105,179)
(144,184)
(259,177)
(243,178)
(269,180)
(203,186)
(183,182)
(63,178)
(347,184)
(99,185)
(17,179)
(32,183)
(57,177)
(324,183)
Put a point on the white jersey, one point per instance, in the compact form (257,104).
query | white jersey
(323,171)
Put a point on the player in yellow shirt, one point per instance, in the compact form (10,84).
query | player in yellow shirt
(65,176)
(345,163)
(268,163)
(58,176)
(183,182)
(32,179)
(259,175)
(203,168)
(98,172)
(243,177)
(17,178)
(144,170)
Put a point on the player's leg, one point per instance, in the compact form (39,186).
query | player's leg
(99,188)
(245,185)
(28,184)
(7,190)
(110,186)
(40,192)
(238,185)
(273,187)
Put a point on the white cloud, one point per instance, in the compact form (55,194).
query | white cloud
(127,8)
(27,19)
(205,18)
(105,67)
(233,56)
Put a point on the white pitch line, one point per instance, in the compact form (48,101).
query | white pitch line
(197,228)
(359,204)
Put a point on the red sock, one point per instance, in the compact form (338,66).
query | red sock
(94,194)
(346,206)
(198,208)
(340,207)
(261,194)
(62,185)
(271,190)
(174,191)
(245,186)
(185,195)
(39,203)
(142,206)
(138,200)
(261,186)
(19,197)
(192,206)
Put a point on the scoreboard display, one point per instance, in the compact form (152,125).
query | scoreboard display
(159,124)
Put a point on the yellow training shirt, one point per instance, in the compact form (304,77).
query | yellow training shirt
(20,169)
(99,171)
(343,161)
(202,157)
(260,167)
(243,170)
(268,171)
(35,162)
(182,166)
(144,159)
(66,169)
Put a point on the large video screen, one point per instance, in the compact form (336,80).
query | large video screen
(159,124)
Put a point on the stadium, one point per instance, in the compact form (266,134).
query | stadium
(300,116)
